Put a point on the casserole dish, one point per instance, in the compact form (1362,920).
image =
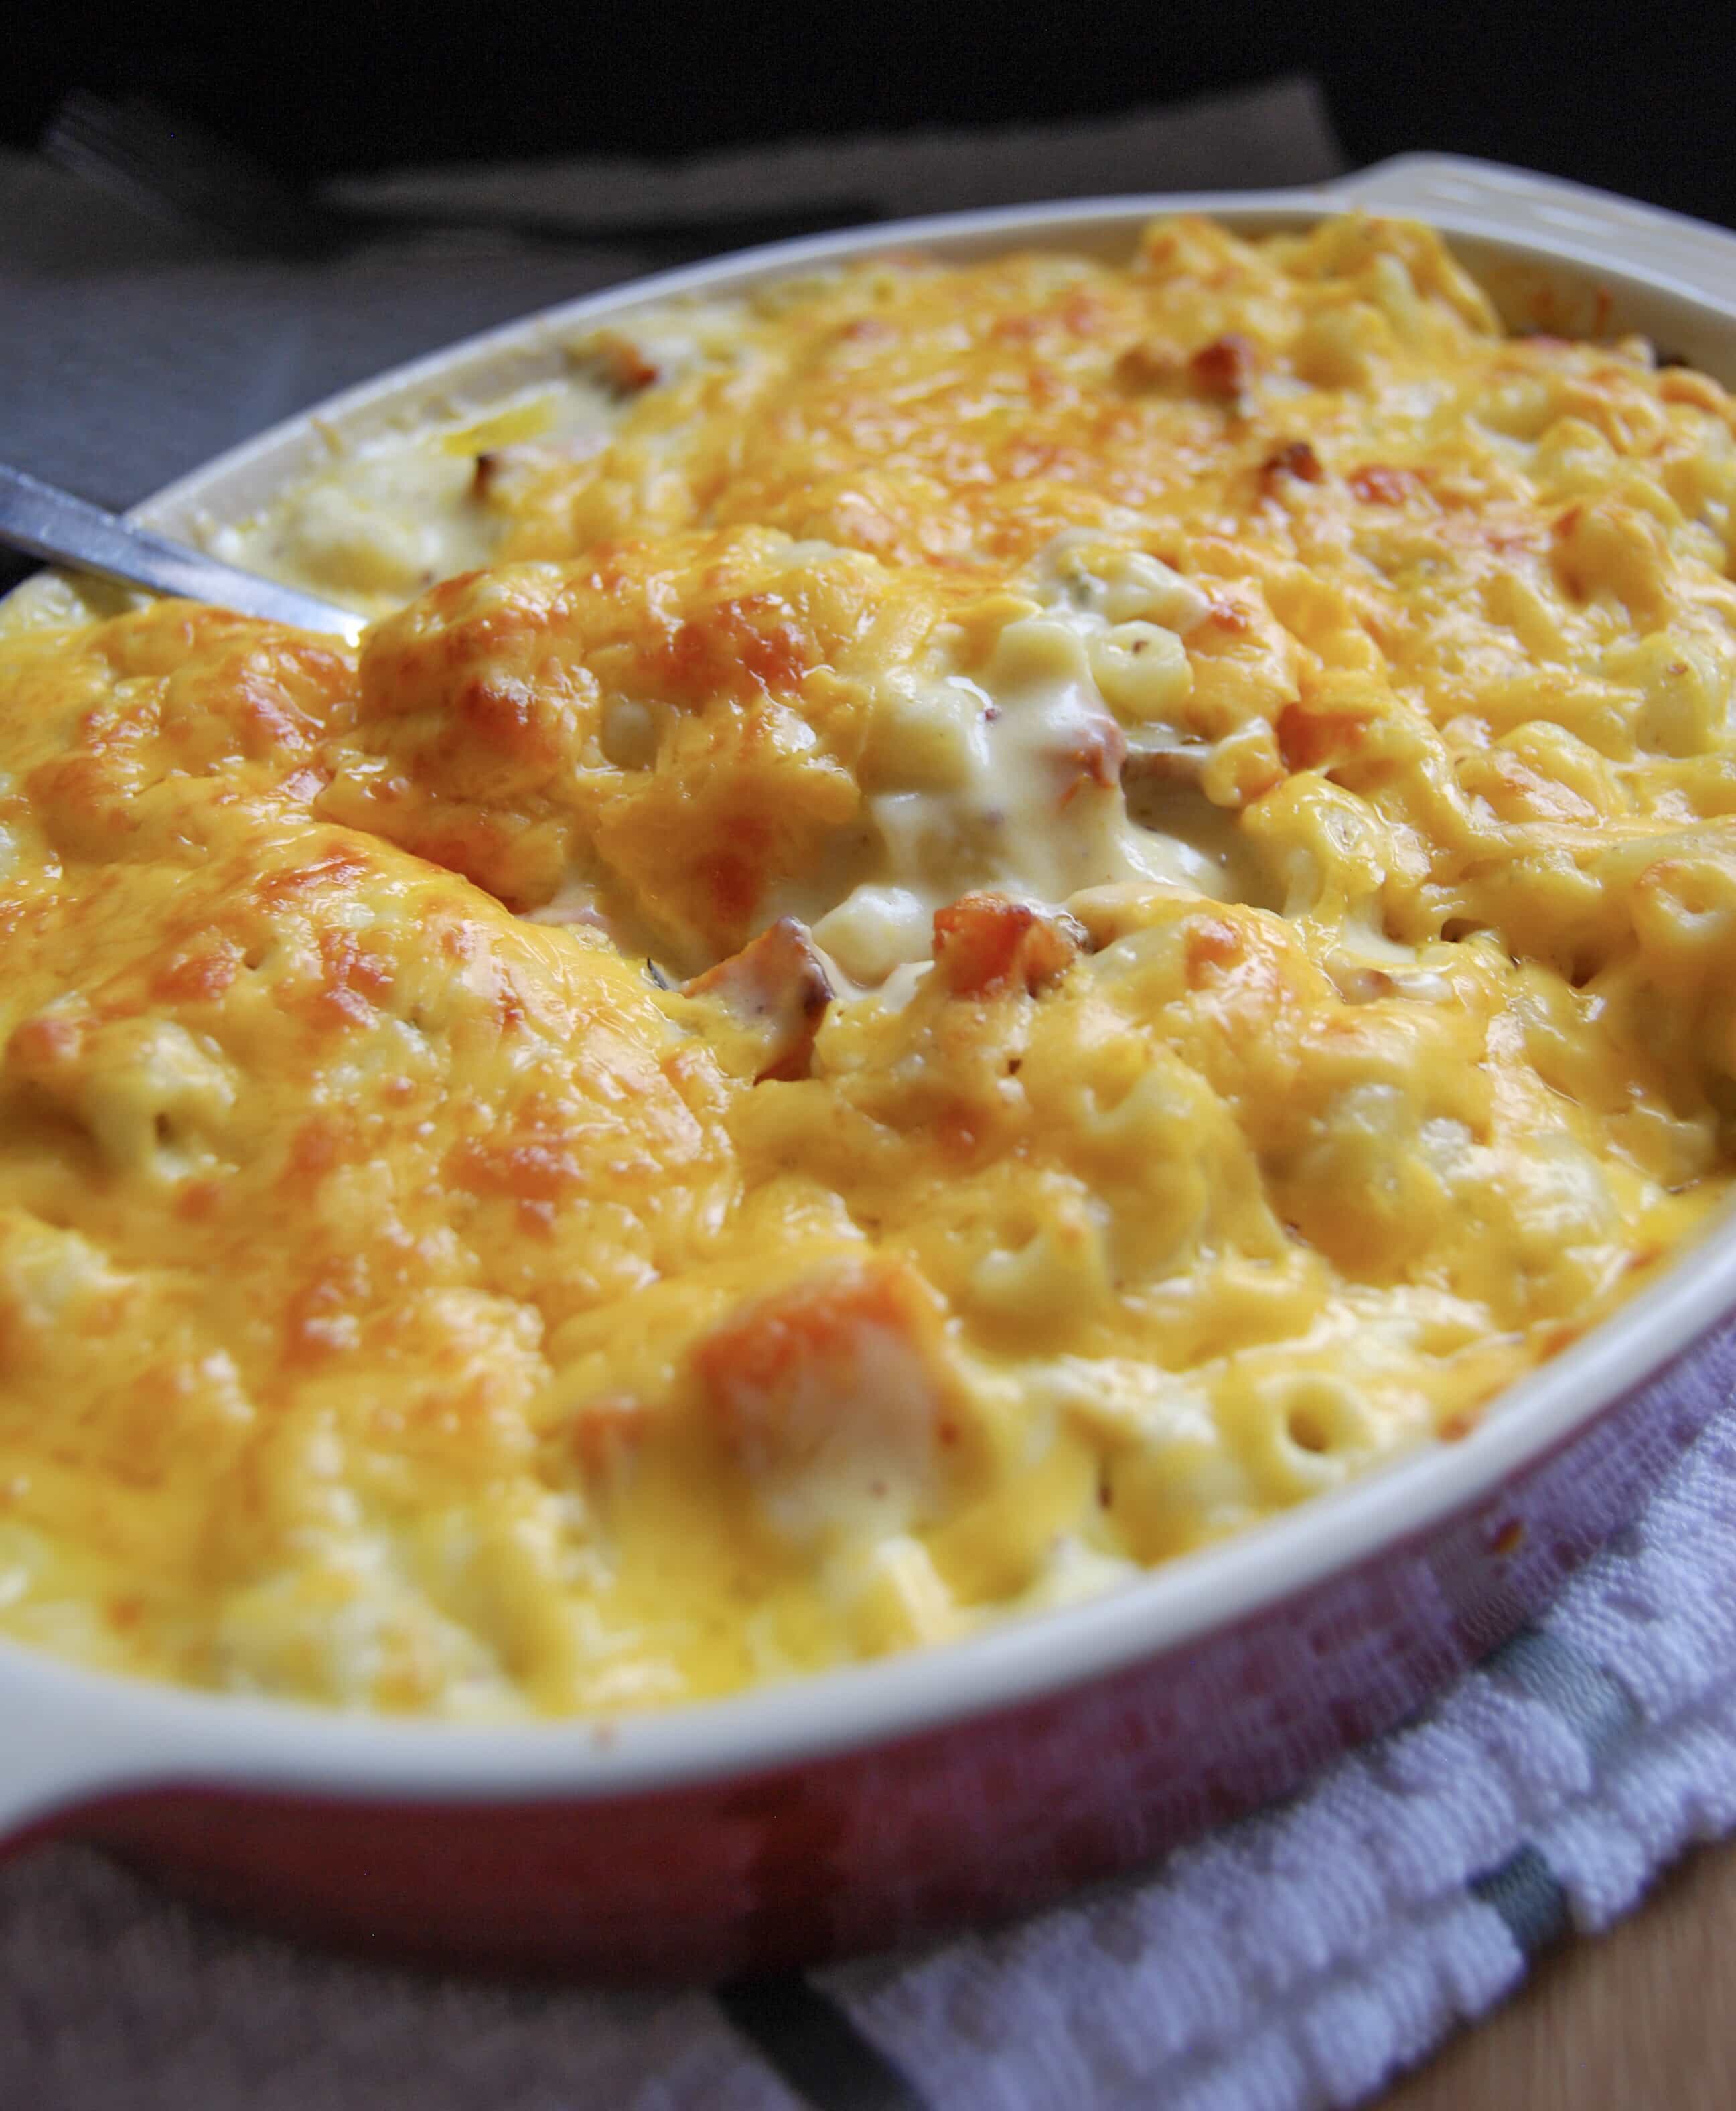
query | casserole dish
(861,1807)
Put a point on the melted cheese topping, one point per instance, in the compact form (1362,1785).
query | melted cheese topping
(1032,910)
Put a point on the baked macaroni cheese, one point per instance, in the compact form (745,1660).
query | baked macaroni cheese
(961,927)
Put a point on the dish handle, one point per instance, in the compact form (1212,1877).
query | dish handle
(1483,198)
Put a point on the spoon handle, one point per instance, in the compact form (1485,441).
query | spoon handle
(51,524)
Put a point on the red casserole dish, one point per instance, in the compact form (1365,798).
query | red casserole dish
(866,1806)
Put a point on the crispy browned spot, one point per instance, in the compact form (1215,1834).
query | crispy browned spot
(1294,458)
(984,943)
(1225,367)
(1376,484)
(776,989)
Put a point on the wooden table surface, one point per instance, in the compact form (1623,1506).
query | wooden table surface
(1641,2019)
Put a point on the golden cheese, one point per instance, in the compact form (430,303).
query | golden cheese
(1022,912)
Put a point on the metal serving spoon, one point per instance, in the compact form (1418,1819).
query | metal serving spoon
(43,522)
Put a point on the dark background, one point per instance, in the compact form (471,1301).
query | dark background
(1638,100)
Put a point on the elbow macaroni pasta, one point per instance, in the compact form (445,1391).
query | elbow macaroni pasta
(960,927)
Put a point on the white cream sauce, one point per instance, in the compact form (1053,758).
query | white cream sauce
(1031,803)
(391,515)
